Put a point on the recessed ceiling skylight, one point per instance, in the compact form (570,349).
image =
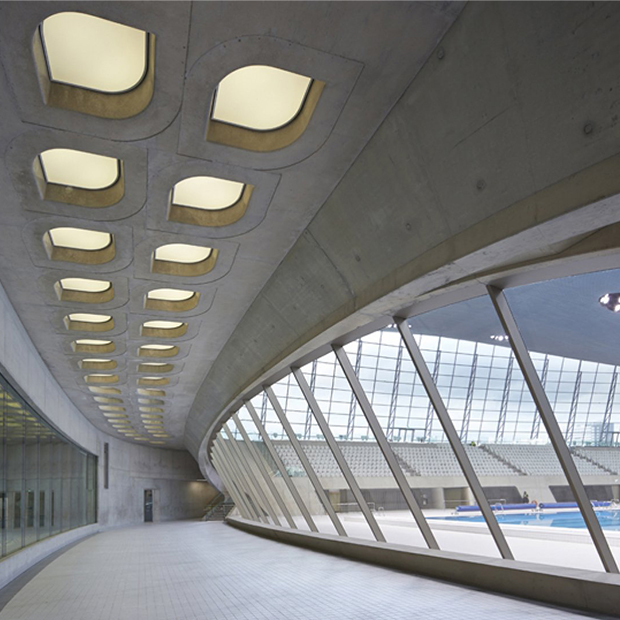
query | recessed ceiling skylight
(162,324)
(93,343)
(208,193)
(85,317)
(79,169)
(170,294)
(182,253)
(260,97)
(149,415)
(94,53)
(104,390)
(85,285)
(79,238)
(146,392)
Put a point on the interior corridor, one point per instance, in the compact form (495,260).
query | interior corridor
(198,571)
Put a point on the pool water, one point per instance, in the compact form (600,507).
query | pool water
(609,519)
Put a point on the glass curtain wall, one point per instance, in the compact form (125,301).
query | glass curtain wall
(430,432)
(47,485)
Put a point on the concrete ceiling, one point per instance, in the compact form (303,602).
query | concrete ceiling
(367,53)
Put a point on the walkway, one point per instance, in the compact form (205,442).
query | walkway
(209,571)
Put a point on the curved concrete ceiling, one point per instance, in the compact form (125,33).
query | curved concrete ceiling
(367,54)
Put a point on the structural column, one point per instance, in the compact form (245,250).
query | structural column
(453,438)
(553,428)
(384,446)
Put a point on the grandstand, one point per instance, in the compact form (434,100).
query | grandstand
(430,460)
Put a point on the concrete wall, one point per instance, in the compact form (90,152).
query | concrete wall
(173,473)
(481,163)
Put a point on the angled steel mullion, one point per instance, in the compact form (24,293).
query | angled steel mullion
(453,438)
(243,481)
(232,491)
(249,508)
(305,462)
(553,428)
(218,453)
(335,449)
(258,459)
(230,485)
(290,485)
(384,446)
(246,466)
(244,473)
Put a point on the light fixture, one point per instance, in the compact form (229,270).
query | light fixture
(79,245)
(163,329)
(147,392)
(611,301)
(94,53)
(183,259)
(88,345)
(158,350)
(260,97)
(79,169)
(84,290)
(85,321)
(160,367)
(95,363)
(107,401)
(153,381)
(182,253)
(500,337)
(103,390)
(79,238)
(171,299)
(102,378)
(209,193)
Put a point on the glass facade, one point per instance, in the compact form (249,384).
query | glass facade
(47,484)
(439,438)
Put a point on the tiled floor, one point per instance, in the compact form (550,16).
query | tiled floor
(209,571)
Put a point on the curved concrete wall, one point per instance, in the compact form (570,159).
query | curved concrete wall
(133,468)
(502,150)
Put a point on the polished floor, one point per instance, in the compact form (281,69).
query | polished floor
(209,571)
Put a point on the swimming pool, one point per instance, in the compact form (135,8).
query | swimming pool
(609,519)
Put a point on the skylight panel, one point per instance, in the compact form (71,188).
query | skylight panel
(162,324)
(170,294)
(85,317)
(182,253)
(79,238)
(260,97)
(79,169)
(85,285)
(94,53)
(209,193)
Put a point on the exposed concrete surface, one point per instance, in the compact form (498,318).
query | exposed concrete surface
(483,161)
(367,54)
(173,473)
